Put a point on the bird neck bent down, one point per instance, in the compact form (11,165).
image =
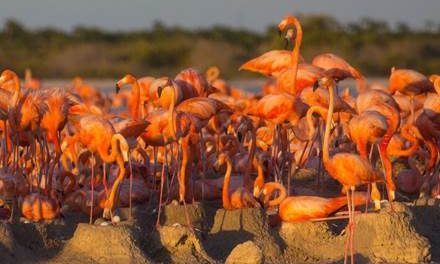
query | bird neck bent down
(326,142)
(225,192)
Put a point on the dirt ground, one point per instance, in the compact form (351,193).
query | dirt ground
(409,234)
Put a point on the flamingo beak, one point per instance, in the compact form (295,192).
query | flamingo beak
(315,85)
(125,156)
(159,91)
(257,192)
(280,33)
(117,88)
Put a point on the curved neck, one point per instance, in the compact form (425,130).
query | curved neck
(309,118)
(270,187)
(361,84)
(413,147)
(135,95)
(326,142)
(433,150)
(114,149)
(295,54)
(259,181)
(246,179)
(437,85)
(225,192)
(16,95)
(171,117)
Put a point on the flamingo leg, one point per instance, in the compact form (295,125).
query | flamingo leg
(92,184)
(162,181)
(131,185)
(352,225)
(347,240)
(104,178)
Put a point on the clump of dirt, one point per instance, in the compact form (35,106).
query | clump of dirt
(382,237)
(246,253)
(103,244)
(177,244)
(233,227)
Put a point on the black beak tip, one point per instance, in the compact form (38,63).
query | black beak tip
(315,85)
(117,88)
(239,136)
(159,91)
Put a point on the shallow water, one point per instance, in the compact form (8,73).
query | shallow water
(250,85)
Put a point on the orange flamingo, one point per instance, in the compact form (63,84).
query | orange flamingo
(134,102)
(98,135)
(428,123)
(275,62)
(196,80)
(38,207)
(304,208)
(236,199)
(349,169)
(409,82)
(29,82)
(339,68)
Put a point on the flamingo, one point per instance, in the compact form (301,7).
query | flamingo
(428,123)
(349,169)
(410,180)
(212,76)
(29,82)
(38,207)
(409,82)
(339,68)
(304,208)
(236,199)
(196,80)
(279,63)
(98,135)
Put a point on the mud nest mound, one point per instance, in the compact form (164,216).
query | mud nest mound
(410,234)
(385,236)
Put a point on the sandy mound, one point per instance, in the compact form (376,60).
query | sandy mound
(231,228)
(103,244)
(380,237)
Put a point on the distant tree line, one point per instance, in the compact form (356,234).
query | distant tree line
(371,45)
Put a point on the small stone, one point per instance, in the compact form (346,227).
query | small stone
(245,253)
(171,236)
(116,219)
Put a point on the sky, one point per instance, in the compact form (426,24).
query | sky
(250,14)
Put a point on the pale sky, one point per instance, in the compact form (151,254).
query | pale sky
(251,14)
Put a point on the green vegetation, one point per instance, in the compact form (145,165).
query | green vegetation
(373,46)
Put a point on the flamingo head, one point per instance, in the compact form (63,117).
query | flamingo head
(325,81)
(7,75)
(127,79)
(292,28)
(164,83)
(221,160)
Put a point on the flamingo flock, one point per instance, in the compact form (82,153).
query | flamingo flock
(196,137)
